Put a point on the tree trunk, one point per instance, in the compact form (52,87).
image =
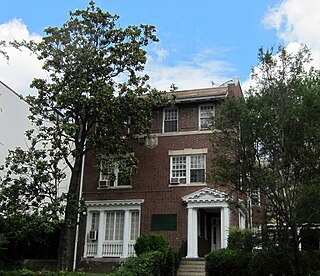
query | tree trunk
(67,235)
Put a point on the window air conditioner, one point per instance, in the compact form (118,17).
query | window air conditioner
(103,184)
(174,180)
(93,235)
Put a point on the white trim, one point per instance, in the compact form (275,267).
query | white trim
(188,151)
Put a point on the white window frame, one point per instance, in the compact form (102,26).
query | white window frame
(207,116)
(186,180)
(106,182)
(95,248)
(167,109)
(255,197)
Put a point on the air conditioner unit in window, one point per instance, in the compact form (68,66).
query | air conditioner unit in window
(174,180)
(103,184)
(93,235)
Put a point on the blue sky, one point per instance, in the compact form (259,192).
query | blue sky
(200,41)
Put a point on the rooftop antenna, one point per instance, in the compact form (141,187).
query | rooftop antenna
(173,87)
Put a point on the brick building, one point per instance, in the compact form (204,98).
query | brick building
(168,193)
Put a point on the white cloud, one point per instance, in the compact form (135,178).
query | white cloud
(296,22)
(198,72)
(22,67)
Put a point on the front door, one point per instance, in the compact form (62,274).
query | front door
(215,233)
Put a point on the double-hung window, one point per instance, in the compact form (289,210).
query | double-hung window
(170,119)
(186,169)
(114,173)
(206,112)
(255,197)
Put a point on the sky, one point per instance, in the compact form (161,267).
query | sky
(202,43)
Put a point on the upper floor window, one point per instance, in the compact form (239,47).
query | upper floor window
(206,112)
(170,119)
(187,169)
(255,197)
(115,173)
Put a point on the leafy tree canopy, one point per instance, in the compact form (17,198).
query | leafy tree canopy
(270,141)
(93,100)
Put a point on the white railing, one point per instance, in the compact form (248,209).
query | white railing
(112,249)
(92,249)
(131,251)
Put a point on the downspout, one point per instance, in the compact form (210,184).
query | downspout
(78,218)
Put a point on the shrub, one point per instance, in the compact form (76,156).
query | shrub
(148,243)
(225,262)
(146,264)
(269,262)
(241,239)
(154,257)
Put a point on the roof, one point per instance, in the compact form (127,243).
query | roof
(204,94)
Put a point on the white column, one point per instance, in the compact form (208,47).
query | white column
(100,233)
(225,224)
(192,233)
(126,234)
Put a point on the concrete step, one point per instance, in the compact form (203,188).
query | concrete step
(192,267)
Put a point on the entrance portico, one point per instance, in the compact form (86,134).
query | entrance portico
(213,202)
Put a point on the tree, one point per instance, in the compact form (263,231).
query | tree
(270,141)
(93,100)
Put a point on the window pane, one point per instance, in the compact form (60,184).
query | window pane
(109,226)
(95,221)
(119,226)
(197,175)
(179,166)
(134,231)
(170,120)
(206,112)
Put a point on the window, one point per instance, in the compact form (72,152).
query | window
(170,120)
(187,169)
(114,226)
(134,229)
(255,197)
(115,173)
(205,114)
(95,221)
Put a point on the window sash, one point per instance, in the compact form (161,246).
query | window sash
(115,175)
(190,167)
(114,226)
(170,120)
(205,114)
(135,225)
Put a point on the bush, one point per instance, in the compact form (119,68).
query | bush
(148,243)
(269,262)
(154,257)
(241,239)
(146,264)
(225,262)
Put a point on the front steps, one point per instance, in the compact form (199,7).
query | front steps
(192,267)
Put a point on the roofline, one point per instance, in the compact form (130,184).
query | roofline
(14,92)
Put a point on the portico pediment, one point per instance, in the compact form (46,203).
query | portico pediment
(206,195)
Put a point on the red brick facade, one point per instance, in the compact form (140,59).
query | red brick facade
(151,180)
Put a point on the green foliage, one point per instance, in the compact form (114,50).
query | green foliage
(150,242)
(96,98)
(271,141)
(242,239)
(227,262)
(155,263)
